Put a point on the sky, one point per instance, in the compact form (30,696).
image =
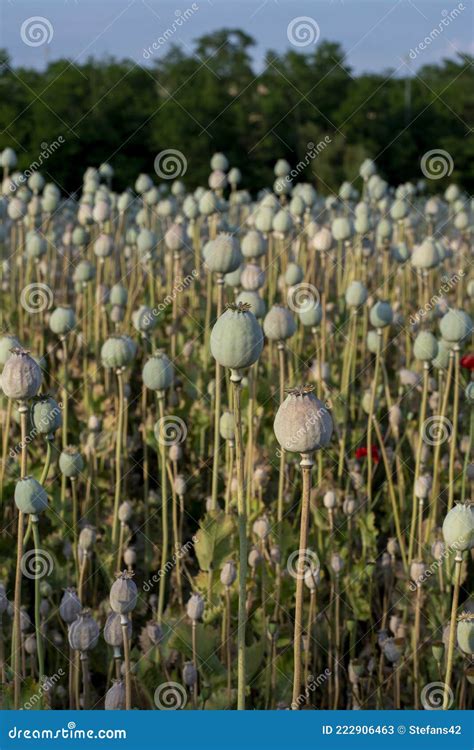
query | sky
(376,35)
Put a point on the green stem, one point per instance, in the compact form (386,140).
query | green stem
(39,637)
(242,524)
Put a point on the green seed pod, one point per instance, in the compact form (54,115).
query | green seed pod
(322,240)
(254,244)
(341,229)
(374,342)
(103,246)
(115,697)
(279,324)
(118,295)
(437,649)
(252,278)
(62,320)
(281,168)
(222,255)
(195,607)
(384,229)
(425,347)
(113,635)
(117,352)
(381,314)
(30,496)
(441,361)
(208,203)
(71,463)
(455,326)
(356,294)
(282,222)
(311,316)
(236,338)
(84,272)
(158,372)
(465,633)
(458,527)
(174,238)
(87,538)
(219,161)
(143,183)
(256,303)
(35,245)
(45,415)
(146,242)
(83,633)
(21,376)
(228,573)
(264,219)
(400,252)
(227,425)
(123,594)
(70,606)
(143,319)
(425,256)
(367,169)
(302,423)
(293,274)
(7,343)
(189,674)
(234,177)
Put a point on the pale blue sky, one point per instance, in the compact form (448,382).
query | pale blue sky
(375,34)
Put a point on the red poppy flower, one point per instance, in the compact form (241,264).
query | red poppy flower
(362,453)
(468,362)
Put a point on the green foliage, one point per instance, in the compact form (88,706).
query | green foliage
(113,110)
(213,543)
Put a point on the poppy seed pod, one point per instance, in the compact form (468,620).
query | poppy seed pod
(422,487)
(455,326)
(35,245)
(228,573)
(113,635)
(381,314)
(252,277)
(311,314)
(458,527)
(392,648)
(227,425)
(195,607)
(417,571)
(425,255)
(356,294)
(330,499)
(282,221)
(261,527)
(392,547)
(395,417)
(62,320)
(341,229)
(7,343)
(322,240)
(118,295)
(302,423)
(337,563)
(125,511)
(123,594)
(236,338)
(115,697)
(83,272)
(254,301)
(103,246)
(21,376)
(130,557)
(45,415)
(116,352)
(84,632)
(70,606)
(293,274)
(219,161)
(71,463)
(349,505)
(312,576)
(143,319)
(154,632)
(189,674)
(174,237)
(254,557)
(217,180)
(279,324)
(465,633)
(30,496)
(222,255)
(87,538)
(158,372)
(253,244)
(425,347)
